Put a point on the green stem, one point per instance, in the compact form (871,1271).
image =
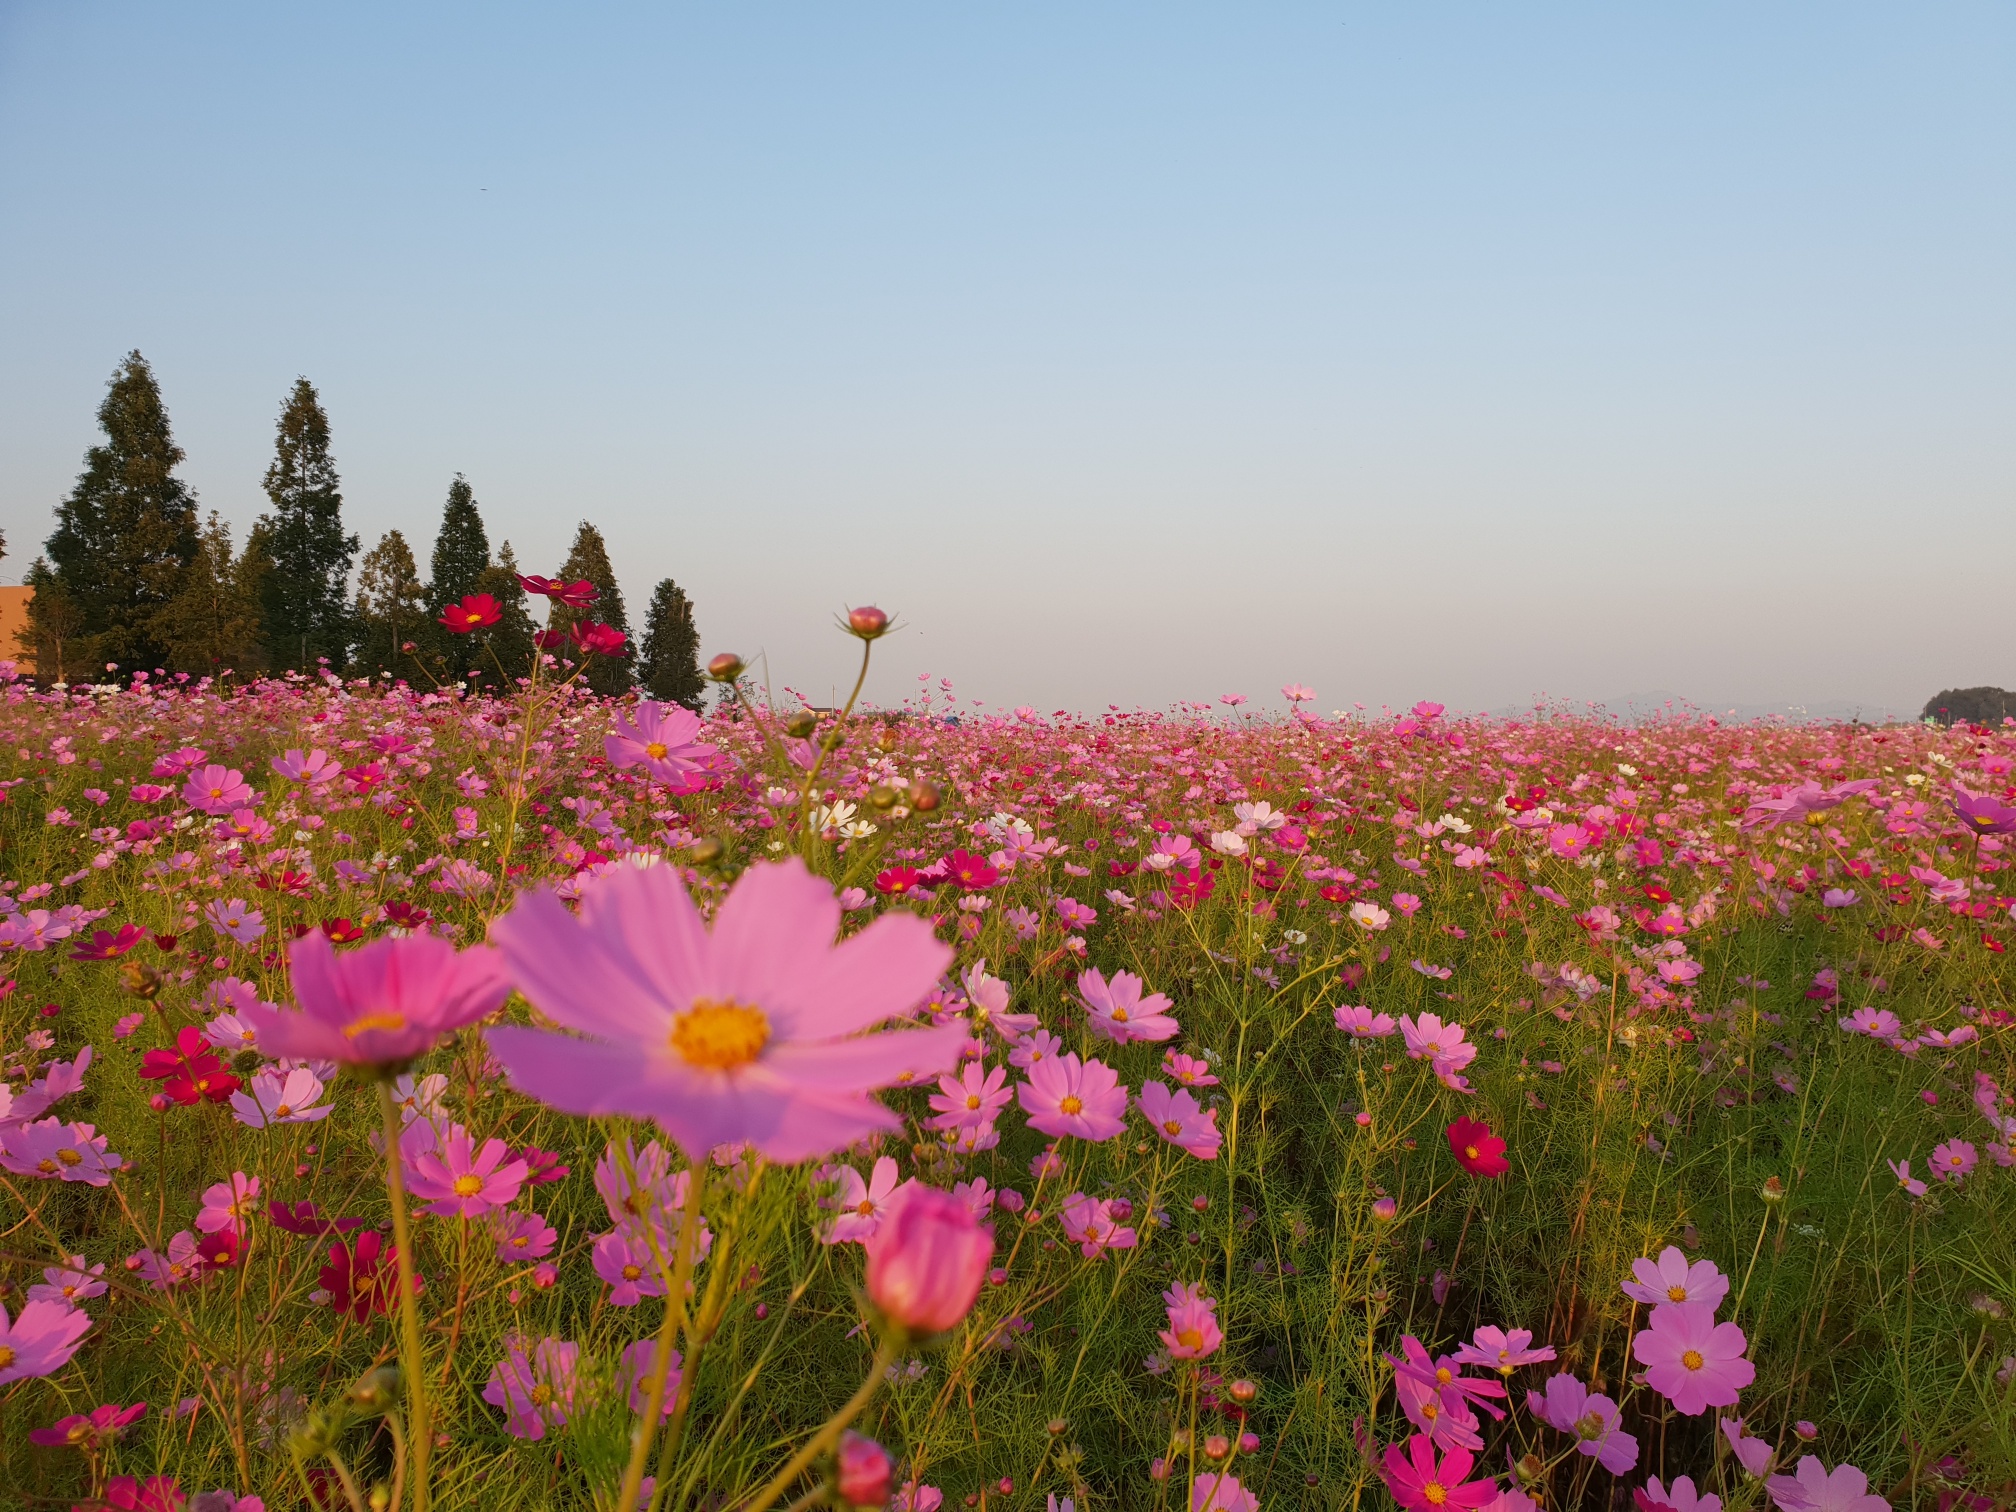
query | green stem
(661,1353)
(413,1362)
(828,1435)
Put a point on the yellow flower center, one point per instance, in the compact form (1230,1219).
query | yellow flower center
(1692,1359)
(468,1186)
(70,1157)
(1191,1338)
(865,1207)
(6,1357)
(1173,1127)
(541,1394)
(1471,1151)
(381,1020)
(1435,1493)
(972,1100)
(656,750)
(632,1272)
(1444,1375)
(1431,1411)
(282,1111)
(1119,1015)
(1676,1294)
(720,1036)
(47,1166)
(520,1241)
(1071,1105)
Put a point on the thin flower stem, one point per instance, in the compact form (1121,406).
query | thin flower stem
(828,1435)
(413,1366)
(819,761)
(661,1353)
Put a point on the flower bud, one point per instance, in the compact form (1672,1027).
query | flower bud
(140,980)
(1249,1443)
(1806,1431)
(376,1390)
(801,724)
(705,851)
(927,1260)
(883,799)
(726,667)
(1243,1392)
(868,622)
(1385,1210)
(160,1102)
(1773,1190)
(1158,1470)
(1217,1446)
(862,1471)
(1055,1427)
(924,798)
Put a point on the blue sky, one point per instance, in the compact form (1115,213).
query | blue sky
(1134,352)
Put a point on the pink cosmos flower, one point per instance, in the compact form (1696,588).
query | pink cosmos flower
(1370,916)
(862,1205)
(55,1150)
(1954,1160)
(1118,1012)
(1902,1170)
(229,1205)
(628,1266)
(1680,1496)
(40,1340)
(1503,1350)
(1877,1023)
(1177,1118)
(1038,1045)
(165,1272)
(1808,798)
(318,768)
(535,1390)
(69,1285)
(1984,814)
(927,1261)
(94,1432)
(1361,1022)
(1193,1332)
(1691,1360)
(236,919)
(280,1098)
(1753,1454)
(1594,1420)
(1188,1069)
(522,1236)
(974,1098)
(639,1187)
(659,739)
(1064,1097)
(461,1181)
(1839,897)
(1812,1488)
(633,1376)
(217,789)
(1672,1279)
(382,1004)
(1422,1483)
(745,1035)
(1221,1493)
(1090,1224)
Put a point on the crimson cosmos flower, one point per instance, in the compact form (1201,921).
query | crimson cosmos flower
(475,611)
(575,595)
(1477,1149)
(191,1072)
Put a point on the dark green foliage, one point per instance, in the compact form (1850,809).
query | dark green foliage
(55,621)
(391,608)
(501,653)
(127,533)
(1973,705)
(669,660)
(461,550)
(212,626)
(589,559)
(304,597)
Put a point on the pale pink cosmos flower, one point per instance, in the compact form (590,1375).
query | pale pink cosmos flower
(1188,1069)
(660,739)
(1593,1418)
(40,1340)
(989,997)
(1681,1496)
(1839,897)
(1672,1279)
(164,1272)
(1090,1224)
(1954,1160)
(629,1267)
(1691,1360)
(633,1375)
(1812,1488)
(1297,693)
(1117,1011)
(972,1099)
(860,1206)
(318,768)
(1193,1332)
(217,789)
(69,1285)
(1901,1169)
(522,1236)
(1503,1350)
(1176,1117)
(1221,1493)
(459,1180)
(1877,1023)
(977,1196)
(1361,1022)
(536,1390)
(229,1205)
(1753,1454)
(1370,916)
(748,1034)
(1037,1045)
(280,1098)
(1063,1096)
(53,1150)
(236,919)
(382,1004)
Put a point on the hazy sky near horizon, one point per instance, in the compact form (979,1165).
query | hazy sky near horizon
(1134,352)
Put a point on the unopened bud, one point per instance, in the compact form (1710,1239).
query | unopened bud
(311,1440)
(1217,1446)
(1530,1470)
(1773,1190)
(883,799)
(375,1391)
(726,667)
(863,1471)
(1243,1392)
(1385,1210)
(868,622)
(801,724)
(924,797)
(140,980)
(1055,1426)
(705,851)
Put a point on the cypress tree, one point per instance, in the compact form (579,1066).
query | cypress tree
(589,558)
(55,621)
(461,550)
(212,626)
(669,660)
(127,533)
(391,607)
(304,597)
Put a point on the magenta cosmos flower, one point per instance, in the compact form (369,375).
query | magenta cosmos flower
(927,1260)
(1503,1350)
(382,1005)
(660,740)
(1118,1011)
(1193,1332)
(40,1341)
(1983,814)
(1814,1489)
(1179,1120)
(748,1034)
(1085,1100)
(1672,1279)
(461,1181)
(1691,1360)
(536,1389)
(1422,1484)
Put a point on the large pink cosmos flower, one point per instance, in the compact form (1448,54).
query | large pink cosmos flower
(1672,1279)
(1983,813)
(1193,1332)
(660,740)
(1691,1360)
(1179,1120)
(1421,1484)
(461,1181)
(1815,1489)
(381,1005)
(973,1099)
(1117,1011)
(1064,1097)
(745,1035)
(40,1341)
(216,789)
(1807,799)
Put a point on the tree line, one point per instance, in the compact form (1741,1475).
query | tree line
(133,580)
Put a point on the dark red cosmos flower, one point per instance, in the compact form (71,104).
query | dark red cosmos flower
(219,1249)
(575,595)
(93,1431)
(897,880)
(191,1072)
(303,1218)
(165,943)
(341,931)
(601,640)
(1191,888)
(403,915)
(104,944)
(551,640)
(1477,1149)
(969,870)
(475,611)
(543,1166)
(365,1279)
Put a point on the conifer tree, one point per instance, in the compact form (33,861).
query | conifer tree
(589,559)
(304,598)
(391,607)
(213,626)
(55,621)
(669,660)
(461,549)
(127,533)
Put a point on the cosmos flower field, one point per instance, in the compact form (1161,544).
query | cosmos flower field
(427,1099)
